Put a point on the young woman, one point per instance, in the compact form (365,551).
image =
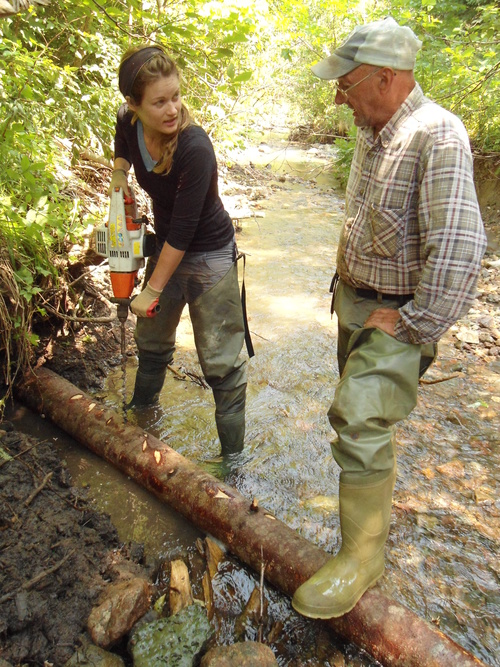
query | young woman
(195,262)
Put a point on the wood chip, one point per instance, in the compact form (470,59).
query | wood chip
(214,555)
(180,587)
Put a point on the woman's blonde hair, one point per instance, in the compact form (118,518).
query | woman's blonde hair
(158,66)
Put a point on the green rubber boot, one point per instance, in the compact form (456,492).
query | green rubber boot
(147,389)
(365,514)
(231,430)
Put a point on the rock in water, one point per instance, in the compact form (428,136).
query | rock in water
(172,641)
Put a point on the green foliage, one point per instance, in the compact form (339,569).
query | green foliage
(309,32)
(458,66)
(58,100)
(344,154)
(36,216)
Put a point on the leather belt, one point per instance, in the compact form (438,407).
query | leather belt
(401,299)
(380,296)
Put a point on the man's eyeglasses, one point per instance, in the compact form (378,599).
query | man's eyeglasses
(345,91)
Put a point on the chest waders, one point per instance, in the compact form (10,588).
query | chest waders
(219,334)
(377,388)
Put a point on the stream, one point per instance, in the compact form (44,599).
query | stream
(442,553)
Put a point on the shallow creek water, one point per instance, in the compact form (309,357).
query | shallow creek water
(442,554)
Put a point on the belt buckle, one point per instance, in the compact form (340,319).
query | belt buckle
(380,296)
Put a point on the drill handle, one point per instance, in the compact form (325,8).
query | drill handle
(153,309)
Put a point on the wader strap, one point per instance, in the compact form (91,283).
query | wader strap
(333,289)
(248,339)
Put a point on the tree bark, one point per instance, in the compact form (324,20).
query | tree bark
(381,626)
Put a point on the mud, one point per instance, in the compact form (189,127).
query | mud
(56,553)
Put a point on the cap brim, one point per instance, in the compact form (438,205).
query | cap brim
(333,67)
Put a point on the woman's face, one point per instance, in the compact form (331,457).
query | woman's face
(160,108)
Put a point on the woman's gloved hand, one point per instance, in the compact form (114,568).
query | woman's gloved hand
(119,179)
(144,304)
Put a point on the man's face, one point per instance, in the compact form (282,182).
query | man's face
(359,89)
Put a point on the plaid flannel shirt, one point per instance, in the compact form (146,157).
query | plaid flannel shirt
(412,223)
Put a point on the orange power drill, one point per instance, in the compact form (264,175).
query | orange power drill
(125,241)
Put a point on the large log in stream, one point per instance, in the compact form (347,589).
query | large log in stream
(388,631)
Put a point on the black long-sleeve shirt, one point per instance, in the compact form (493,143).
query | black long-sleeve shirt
(188,212)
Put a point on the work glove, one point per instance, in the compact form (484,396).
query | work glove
(118,180)
(145,304)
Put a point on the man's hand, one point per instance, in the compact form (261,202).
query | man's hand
(384,319)
(143,304)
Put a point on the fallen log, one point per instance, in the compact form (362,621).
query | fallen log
(392,634)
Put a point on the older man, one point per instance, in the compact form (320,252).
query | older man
(407,268)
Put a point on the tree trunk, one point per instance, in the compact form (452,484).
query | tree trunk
(388,631)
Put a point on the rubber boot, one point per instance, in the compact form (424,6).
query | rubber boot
(378,387)
(365,514)
(219,334)
(147,388)
(231,430)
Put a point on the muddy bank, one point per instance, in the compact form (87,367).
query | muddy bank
(56,553)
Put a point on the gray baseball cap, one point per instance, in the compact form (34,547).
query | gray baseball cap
(383,43)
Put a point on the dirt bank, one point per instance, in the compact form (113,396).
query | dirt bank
(56,553)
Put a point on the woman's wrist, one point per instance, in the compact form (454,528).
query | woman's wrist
(154,290)
(119,169)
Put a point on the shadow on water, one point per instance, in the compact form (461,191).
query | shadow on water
(441,563)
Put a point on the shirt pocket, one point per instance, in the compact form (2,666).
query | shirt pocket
(385,232)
